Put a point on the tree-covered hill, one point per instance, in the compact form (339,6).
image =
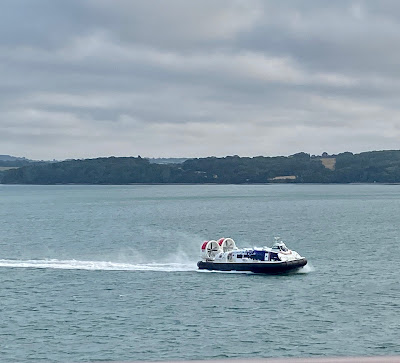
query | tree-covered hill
(90,171)
(11,162)
(368,167)
(236,170)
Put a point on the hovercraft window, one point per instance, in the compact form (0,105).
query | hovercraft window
(274,256)
(239,256)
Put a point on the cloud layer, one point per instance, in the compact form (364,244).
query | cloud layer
(191,79)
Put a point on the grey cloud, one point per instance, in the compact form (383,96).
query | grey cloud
(344,36)
(174,78)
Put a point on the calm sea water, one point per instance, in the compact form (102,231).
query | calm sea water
(90,273)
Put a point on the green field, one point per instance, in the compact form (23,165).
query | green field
(2,168)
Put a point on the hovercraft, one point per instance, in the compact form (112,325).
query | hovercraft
(223,255)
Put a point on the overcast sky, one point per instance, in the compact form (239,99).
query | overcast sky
(179,78)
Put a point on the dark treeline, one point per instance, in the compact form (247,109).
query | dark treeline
(13,163)
(368,167)
(7,161)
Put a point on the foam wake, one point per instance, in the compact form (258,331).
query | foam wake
(306,269)
(97,265)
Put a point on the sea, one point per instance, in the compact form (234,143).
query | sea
(108,273)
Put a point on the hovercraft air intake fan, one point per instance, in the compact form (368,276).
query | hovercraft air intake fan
(227,244)
(210,249)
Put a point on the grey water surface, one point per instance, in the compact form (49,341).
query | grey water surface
(91,273)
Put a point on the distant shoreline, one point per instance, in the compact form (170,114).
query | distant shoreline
(191,184)
(366,168)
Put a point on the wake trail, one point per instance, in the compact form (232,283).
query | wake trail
(306,269)
(97,265)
